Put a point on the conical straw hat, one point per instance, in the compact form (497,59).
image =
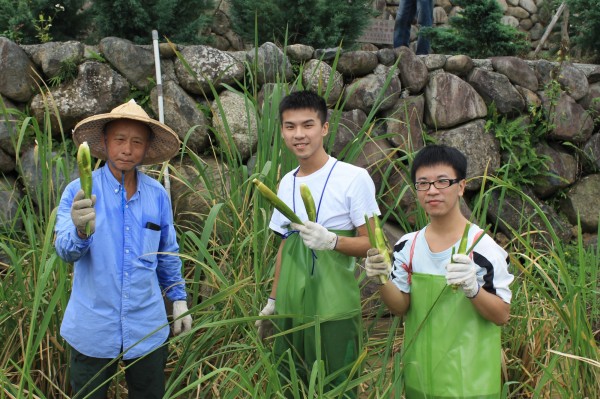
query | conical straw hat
(163,146)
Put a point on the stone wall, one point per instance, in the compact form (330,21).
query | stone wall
(445,98)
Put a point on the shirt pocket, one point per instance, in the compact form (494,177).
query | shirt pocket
(151,241)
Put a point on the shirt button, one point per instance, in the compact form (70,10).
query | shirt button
(127,274)
(126,251)
(116,190)
(127,228)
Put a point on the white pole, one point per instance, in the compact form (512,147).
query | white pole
(161,112)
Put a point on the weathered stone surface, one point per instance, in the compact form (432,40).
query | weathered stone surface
(572,123)
(97,89)
(17,72)
(481,149)
(591,101)
(272,64)
(459,65)
(536,32)
(240,115)
(375,156)
(516,212)
(365,92)
(563,169)
(120,52)
(386,56)
(528,5)
(300,52)
(434,61)
(582,200)
(10,198)
(450,101)
(573,81)
(192,203)
(317,75)
(517,71)
(348,126)
(8,129)
(49,56)
(182,115)
(592,150)
(404,123)
(496,88)
(525,24)
(545,71)
(412,69)
(357,63)
(509,20)
(531,99)
(440,17)
(517,12)
(210,66)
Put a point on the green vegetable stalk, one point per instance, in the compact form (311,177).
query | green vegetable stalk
(378,240)
(276,201)
(84,164)
(309,202)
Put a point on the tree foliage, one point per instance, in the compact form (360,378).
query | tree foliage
(584,24)
(182,21)
(476,31)
(318,23)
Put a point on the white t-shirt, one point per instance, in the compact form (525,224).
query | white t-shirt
(491,259)
(349,195)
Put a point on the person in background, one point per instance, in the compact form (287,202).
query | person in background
(314,273)
(453,303)
(407,10)
(127,261)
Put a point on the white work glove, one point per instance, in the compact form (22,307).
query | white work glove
(376,266)
(265,327)
(462,272)
(82,212)
(181,324)
(316,236)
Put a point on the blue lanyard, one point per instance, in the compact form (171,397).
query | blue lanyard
(322,192)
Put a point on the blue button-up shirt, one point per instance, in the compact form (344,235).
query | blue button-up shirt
(121,271)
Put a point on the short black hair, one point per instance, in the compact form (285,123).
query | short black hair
(304,99)
(438,154)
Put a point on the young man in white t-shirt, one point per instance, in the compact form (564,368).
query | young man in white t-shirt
(453,303)
(314,274)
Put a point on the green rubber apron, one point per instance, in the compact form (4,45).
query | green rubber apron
(318,287)
(455,352)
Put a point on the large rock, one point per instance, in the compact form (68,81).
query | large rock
(583,201)
(209,67)
(592,150)
(8,127)
(357,63)
(404,123)
(561,173)
(412,69)
(451,101)
(345,128)
(182,115)
(120,52)
(318,76)
(517,71)
(272,64)
(97,89)
(17,72)
(482,149)
(371,91)
(240,115)
(300,52)
(496,88)
(513,210)
(459,65)
(573,81)
(571,122)
(51,56)
(375,156)
(591,101)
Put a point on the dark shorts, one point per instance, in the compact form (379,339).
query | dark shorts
(145,376)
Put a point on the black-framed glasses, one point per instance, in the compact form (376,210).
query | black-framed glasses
(439,184)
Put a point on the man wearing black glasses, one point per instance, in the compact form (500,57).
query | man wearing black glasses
(453,303)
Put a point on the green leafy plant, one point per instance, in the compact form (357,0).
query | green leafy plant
(318,23)
(476,31)
(67,72)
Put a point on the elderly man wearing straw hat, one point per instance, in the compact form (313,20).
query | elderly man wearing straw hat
(116,310)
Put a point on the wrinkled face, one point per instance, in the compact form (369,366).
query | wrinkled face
(438,202)
(126,144)
(303,132)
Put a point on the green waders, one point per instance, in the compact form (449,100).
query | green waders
(455,353)
(321,290)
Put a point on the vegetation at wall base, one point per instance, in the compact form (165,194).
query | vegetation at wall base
(476,31)
(549,348)
(317,23)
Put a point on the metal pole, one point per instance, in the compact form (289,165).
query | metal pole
(161,112)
